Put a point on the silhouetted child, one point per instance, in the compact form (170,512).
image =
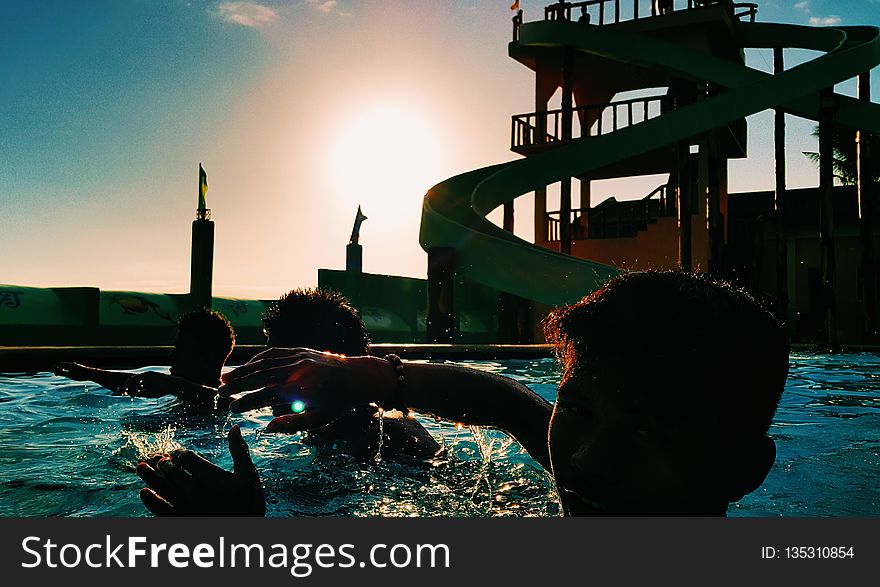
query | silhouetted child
(203,343)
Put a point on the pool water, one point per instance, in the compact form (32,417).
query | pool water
(69,449)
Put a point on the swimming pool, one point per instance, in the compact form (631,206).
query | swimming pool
(68,449)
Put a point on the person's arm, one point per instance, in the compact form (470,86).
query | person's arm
(330,385)
(153,384)
(112,380)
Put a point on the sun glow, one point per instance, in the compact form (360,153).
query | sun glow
(385,158)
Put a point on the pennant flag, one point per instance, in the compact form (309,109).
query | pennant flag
(203,188)
(515,5)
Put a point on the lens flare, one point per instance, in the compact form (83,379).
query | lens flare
(298,407)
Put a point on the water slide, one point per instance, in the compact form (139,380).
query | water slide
(454,211)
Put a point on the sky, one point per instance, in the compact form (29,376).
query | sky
(299,111)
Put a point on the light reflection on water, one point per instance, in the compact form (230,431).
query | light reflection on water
(69,449)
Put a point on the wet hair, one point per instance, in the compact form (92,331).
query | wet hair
(210,330)
(319,319)
(682,335)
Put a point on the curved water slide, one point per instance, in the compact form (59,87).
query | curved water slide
(454,211)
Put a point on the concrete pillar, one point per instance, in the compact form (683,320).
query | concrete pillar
(782,299)
(586,198)
(441,327)
(827,106)
(867,191)
(567,124)
(354,262)
(201,264)
(683,203)
(713,204)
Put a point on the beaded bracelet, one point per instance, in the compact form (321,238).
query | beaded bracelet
(396,401)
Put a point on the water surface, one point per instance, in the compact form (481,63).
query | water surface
(69,449)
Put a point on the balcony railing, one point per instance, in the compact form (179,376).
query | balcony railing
(602,12)
(541,128)
(613,219)
(578,227)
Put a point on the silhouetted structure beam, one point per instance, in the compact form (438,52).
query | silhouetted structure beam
(567,122)
(826,215)
(683,201)
(782,299)
(441,295)
(867,193)
(713,204)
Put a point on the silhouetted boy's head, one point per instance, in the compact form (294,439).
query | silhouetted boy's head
(318,319)
(669,385)
(204,342)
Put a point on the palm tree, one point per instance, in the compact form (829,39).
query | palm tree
(845,170)
(845,155)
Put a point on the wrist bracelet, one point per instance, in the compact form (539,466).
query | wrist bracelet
(396,401)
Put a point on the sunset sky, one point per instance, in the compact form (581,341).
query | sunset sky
(299,110)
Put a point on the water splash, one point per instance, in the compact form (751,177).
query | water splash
(141,446)
(381,416)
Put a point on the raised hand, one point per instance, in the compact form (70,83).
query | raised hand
(186,484)
(317,387)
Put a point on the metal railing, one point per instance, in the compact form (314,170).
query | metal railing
(742,10)
(602,12)
(537,128)
(613,219)
(578,229)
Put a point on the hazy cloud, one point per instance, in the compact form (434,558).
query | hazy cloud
(249,14)
(805,5)
(323,5)
(826,21)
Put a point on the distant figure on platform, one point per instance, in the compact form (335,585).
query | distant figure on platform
(585,16)
(669,384)
(662,6)
(204,341)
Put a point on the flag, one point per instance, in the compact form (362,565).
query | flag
(203,187)
(515,5)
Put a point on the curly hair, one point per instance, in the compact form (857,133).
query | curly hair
(319,319)
(679,334)
(211,329)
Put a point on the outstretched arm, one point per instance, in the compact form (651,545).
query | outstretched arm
(112,380)
(329,385)
(153,384)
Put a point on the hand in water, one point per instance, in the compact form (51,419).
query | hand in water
(147,384)
(185,484)
(319,388)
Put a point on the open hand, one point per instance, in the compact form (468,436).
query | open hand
(318,388)
(186,484)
